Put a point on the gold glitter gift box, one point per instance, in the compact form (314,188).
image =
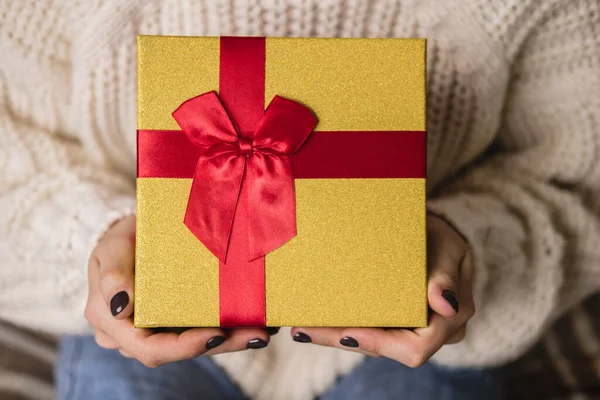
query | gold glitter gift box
(359,255)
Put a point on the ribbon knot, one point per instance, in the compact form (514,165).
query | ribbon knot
(245,146)
(228,161)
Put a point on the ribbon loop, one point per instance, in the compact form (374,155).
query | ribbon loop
(228,161)
(205,122)
(285,126)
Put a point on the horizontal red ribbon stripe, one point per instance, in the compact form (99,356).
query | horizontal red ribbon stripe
(326,154)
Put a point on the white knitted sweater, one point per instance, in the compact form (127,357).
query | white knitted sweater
(513,135)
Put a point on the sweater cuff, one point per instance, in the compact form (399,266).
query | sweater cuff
(101,219)
(111,219)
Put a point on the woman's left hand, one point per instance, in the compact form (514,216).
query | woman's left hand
(450,297)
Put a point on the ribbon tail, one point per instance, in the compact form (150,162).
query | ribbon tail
(213,200)
(271,203)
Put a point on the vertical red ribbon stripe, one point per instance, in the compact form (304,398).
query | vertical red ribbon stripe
(242,294)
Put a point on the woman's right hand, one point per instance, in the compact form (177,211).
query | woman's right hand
(110,308)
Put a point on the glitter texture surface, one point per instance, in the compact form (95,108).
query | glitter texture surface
(351,84)
(358,259)
(172,69)
(176,277)
(360,255)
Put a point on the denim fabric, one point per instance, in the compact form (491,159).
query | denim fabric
(382,378)
(86,371)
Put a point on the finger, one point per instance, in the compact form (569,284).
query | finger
(332,337)
(464,296)
(105,341)
(442,292)
(161,348)
(115,256)
(446,250)
(397,344)
(154,349)
(467,309)
(411,348)
(242,339)
(448,331)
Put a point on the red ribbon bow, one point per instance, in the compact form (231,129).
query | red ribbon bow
(229,160)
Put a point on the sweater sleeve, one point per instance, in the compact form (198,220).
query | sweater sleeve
(54,203)
(531,209)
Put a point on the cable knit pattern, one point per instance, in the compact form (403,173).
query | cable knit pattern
(513,156)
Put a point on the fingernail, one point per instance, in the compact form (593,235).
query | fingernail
(214,342)
(256,344)
(348,342)
(302,338)
(450,297)
(118,303)
(273,330)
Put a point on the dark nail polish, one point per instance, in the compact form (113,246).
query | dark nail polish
(214,342)
(118,303)
(348,342)
(273,330)
(450,297)
(256,344)
(302,338)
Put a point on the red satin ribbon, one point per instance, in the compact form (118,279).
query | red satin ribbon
(325,154)
(242,296)
(227,161)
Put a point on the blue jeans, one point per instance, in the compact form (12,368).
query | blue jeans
(86,371)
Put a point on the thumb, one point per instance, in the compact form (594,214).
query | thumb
(443,289)
(446,250)
(116,258)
